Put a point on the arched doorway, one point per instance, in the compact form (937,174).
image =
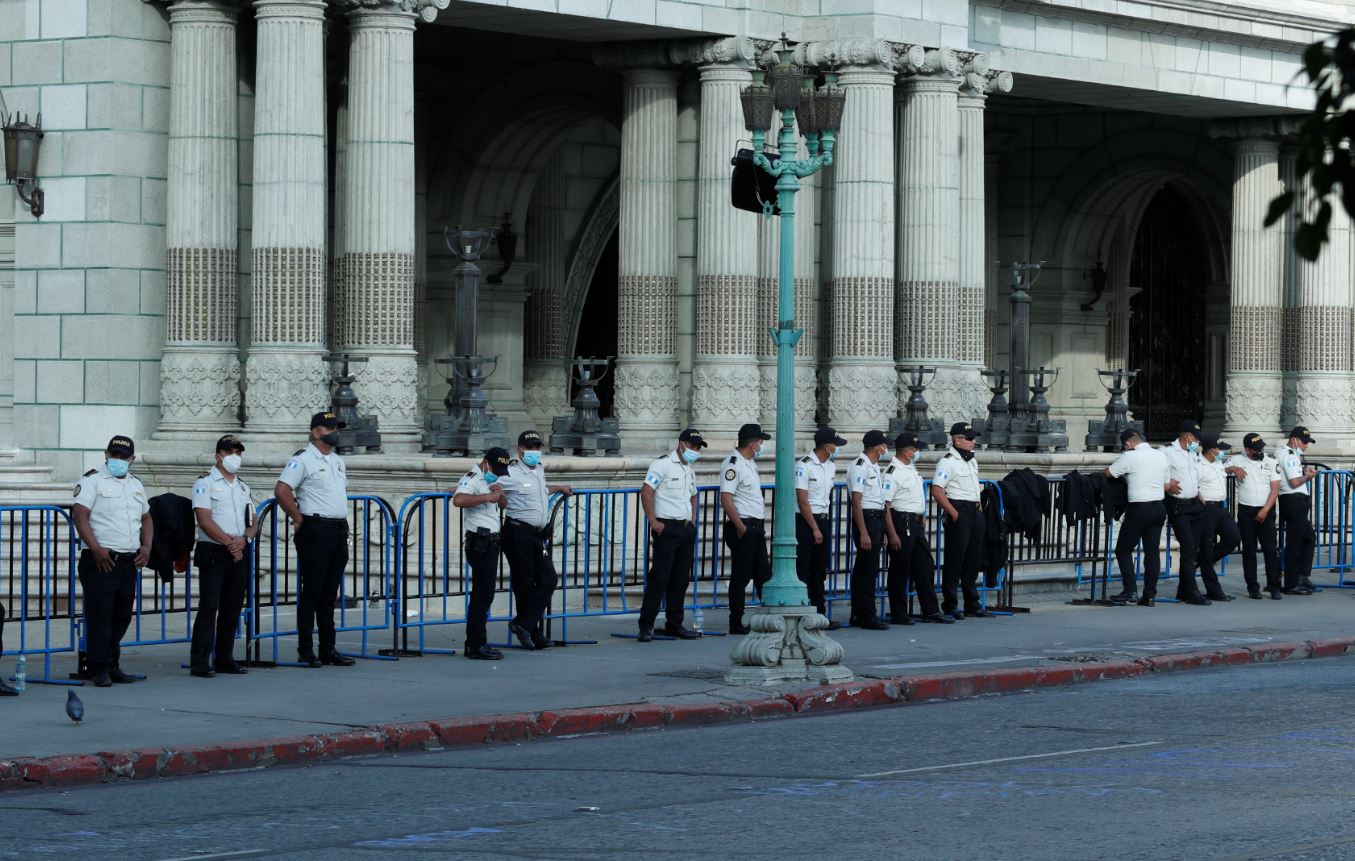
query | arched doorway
(597,335)
(1168,339)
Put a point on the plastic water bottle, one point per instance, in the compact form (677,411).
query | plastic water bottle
(699,621)
(21,674)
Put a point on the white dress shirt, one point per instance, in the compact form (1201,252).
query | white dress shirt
(958,477)
(863,477)
(739,478)
(1213,480)
(528,499)
(319,482)
(817,478)
(228,501)
(1254,490)
(1144,469)
(674,484)
(1291,466)
(902,487)
(1183,466)
(482,516)
(116,506)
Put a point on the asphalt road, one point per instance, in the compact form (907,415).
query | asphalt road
(1247,763)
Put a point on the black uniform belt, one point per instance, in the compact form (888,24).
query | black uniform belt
(1218,502)
(483,532)
(672,521)
(518,524)
(318,519)
(1147,502)
(872,513)
(120,556)
(910,516)
(1252,507)
(972,503)
(752,521)
(823,516)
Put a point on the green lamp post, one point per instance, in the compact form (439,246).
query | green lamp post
(786,640)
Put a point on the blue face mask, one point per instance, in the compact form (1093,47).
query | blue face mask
(531,458)
(490,478)
(118,468)
(832,455)
(690,456)
(1193,448)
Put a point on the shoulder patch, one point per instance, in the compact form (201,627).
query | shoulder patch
(77,490)
(91,472)
(730,474)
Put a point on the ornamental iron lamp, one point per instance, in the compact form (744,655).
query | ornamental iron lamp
(22,142)
(787,640)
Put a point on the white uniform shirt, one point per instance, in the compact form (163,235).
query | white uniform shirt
(116,506)
(1145,470)
(863,477)
(1254,490)
(228,501)
(958,477)
(817,478)
(319,482)
(482,516)
(1183,467)
(1213,480)
(902,487)
(739,478)
(528,499)
(674,484)
(1291,466)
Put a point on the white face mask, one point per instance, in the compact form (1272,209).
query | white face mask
(231,463)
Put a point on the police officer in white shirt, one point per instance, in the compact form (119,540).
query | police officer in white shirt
(112,518)
(910,555)
(957,491)
(1295,511)
(1184,509)
(1258,487)
(224,512)
(313,492)
(1220,533)
(526,541)
(868,529)
(1145,470)
(668,498)
(744,528)
(815,474)
(480,498)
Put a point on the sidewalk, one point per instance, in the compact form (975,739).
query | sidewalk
(172,710)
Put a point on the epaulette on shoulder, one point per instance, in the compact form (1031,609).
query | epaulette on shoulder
(805,459)
(91,472)
(299,451)
(731,459)
(860,459)
(470,474)
(204,475)
(890,471)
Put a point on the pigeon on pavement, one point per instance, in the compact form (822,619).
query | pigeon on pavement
(75,709)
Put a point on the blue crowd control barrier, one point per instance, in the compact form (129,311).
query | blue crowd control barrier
(364,605)
(38,551)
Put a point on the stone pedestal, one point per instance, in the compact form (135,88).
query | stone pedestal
(786,644)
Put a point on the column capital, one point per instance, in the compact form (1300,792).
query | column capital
(203,12)
(849,54)
(976,86)
(1255,128)
(290,9)
(939,67)
(376,10)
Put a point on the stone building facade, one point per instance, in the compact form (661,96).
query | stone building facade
(235,190)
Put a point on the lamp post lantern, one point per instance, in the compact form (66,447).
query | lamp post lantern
(786,641)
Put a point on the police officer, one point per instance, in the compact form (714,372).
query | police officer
(1144,469)
(868,525)
(526,540)
(1295,505)
(112,517)
(480,497)
(668,498)
(1219,530)
(814,477)
(1184,509)
(313,492)
(956,490)
(223,510)
(910,557)
(1257,491)
(744,530)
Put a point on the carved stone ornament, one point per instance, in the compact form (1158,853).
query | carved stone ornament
(198,389)
(1323,403)
(388,387)
(722,394)
(862,395)
(646,394)
(956,394)
(1252,402)
(785,644)
(426,9)
(284,389)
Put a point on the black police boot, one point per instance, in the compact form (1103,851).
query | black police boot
(6,690)
(484,653)
(646,634)
(308,660)
(334,659)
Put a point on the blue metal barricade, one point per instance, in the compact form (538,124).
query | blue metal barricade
(38,551)
(1331,516)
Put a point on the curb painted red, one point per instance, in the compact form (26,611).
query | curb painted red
(116,766)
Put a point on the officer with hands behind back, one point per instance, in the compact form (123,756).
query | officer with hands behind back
(224,512)
(745,524)
(668,498)
(112,518)
(957,491)
(910,556)
(868,526)
(480,497)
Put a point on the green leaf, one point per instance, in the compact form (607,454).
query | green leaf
(1278,207)
(1308,241)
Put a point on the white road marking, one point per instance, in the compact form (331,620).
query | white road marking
(1008,759)
(1001,659)
(240,854)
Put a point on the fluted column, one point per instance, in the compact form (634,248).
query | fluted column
(768,269)
(646,366)
(729,330)
(375,271)
(1253,383)
(861,375)
(200,366)
(545,381)
(285,374)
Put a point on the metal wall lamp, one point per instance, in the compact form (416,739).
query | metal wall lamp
(22,142)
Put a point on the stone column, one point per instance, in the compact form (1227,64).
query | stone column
(545,380)
(768,272)
(861,374)
(729,328)
(1290,297)
(1253,383)
(646,366)
(200,365)
(286,376)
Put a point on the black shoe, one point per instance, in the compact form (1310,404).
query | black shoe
(833,625)
(6,690)
(308,660)
(682,633)
(541,642)
(1147,601)
(1254,592)
(744,629)
(334,659)
(873,625)
(1308,584)
(1197,600)
(101,680)
(1122,598)
(939,619)
(523,636)
(956,616)
(484,653)
(1221,596)
(1275,595)
(647,634)
(980,614)
(231,669)
(1297,590)
(202,672)
(901,619)
(118,677)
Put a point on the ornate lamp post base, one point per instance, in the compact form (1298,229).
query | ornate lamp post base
(786,644)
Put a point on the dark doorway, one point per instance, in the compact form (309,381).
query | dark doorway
(1167,339)
(597,326)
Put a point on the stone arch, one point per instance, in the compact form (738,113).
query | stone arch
(603,220)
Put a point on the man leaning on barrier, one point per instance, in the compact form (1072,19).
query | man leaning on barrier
(526,540)
(223,509)
(668,498)
(1144,469)
(112,518)
(1296,512)
(480,496)
(1220,535)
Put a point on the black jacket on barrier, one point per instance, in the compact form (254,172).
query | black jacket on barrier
(1081,499)
(994,533)
(1114,493)
(1025,494)
(175,532)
